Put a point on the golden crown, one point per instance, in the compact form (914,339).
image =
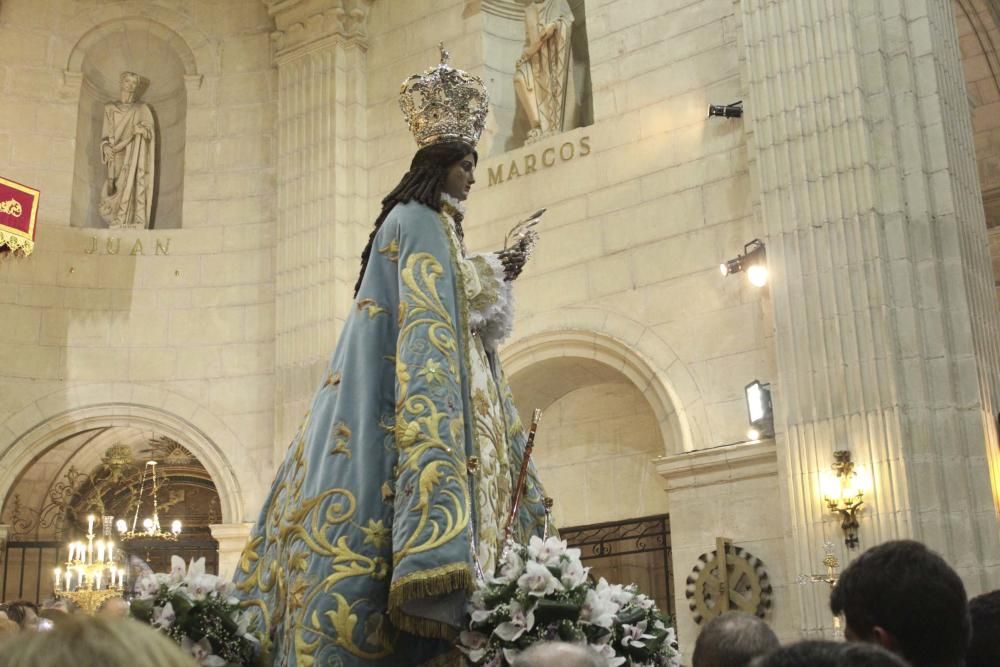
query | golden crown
(444,104)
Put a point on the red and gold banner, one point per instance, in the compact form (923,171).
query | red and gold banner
(18,208)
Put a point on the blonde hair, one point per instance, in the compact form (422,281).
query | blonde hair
(94,642)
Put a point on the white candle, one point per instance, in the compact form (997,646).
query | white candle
(121,579)
(90,524)
(111,547)
(97,581)
(58,578)
(90,550)
(100,551)
(69,556)
(69,575)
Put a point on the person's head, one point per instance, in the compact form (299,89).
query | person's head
(733,639)
(24,613)
(58,604)
(904,597)
(829,654)
(446,167)
(8,628)
(116,607)
(559,654)
(84,640)
(984,649)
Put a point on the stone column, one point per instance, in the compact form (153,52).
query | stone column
(232,537)
(885,322)
(319,49)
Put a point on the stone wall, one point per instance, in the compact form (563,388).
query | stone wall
(178,320)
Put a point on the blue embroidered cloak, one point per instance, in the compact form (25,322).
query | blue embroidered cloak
(364,550)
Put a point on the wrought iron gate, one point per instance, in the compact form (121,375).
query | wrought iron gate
(633,551)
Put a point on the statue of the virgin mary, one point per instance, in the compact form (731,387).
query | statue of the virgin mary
(394,494)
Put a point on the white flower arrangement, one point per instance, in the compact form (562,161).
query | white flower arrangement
(197,610)
(542,592)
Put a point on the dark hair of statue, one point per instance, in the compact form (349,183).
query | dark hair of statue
(423,183)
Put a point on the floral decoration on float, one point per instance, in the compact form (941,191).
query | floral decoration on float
(542,592)
(199,611)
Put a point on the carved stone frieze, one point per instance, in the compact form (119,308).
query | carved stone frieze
(302,25)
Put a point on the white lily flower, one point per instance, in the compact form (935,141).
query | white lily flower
(608,653)
(163,617)
(597,610)
(573,573)
(178,570)
(521,620)
(201,586)
(473,644)
(202,652)
(538,581)
(633,635)
(550,551)
(146,586)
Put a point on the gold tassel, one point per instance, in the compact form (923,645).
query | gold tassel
(16,243)
(427,584)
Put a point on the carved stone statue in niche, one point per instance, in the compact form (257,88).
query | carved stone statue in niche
(128,148)
(543,78)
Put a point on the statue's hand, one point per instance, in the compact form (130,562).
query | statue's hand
(513,260)
(515,257)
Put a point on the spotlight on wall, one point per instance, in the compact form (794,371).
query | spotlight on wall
(759,412)
(843,493)
(753,262)
(734,110)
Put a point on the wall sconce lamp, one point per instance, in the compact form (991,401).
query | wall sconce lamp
(734,110)
(843,493)
(753,261)
(759,410)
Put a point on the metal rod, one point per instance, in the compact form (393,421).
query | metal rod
(522,474)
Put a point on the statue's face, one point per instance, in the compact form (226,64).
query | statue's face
(461,176)
(129,83)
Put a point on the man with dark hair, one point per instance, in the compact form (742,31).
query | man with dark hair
(984,649)
(829,654)
(733,640)
(906,598)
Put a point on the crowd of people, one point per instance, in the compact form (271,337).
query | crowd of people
(902,606)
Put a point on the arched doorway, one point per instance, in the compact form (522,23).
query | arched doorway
(595,451)
(99,470)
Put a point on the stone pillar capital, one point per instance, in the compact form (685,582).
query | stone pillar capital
(304,25)
(231,538)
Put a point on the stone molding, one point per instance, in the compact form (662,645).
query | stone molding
(719,465)
(304,25)
(34,429)
(624,344)
(232,537)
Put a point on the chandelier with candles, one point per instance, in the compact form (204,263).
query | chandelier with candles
(91,573)
(151,528)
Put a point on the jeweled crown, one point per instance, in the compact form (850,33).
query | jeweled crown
(444,104)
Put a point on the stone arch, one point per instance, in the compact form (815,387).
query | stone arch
(978,23)
(625,345)
(94,24)
(38,426)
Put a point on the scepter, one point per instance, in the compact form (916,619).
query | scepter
(522,476)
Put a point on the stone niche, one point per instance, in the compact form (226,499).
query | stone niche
(504,40)
(162,59)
